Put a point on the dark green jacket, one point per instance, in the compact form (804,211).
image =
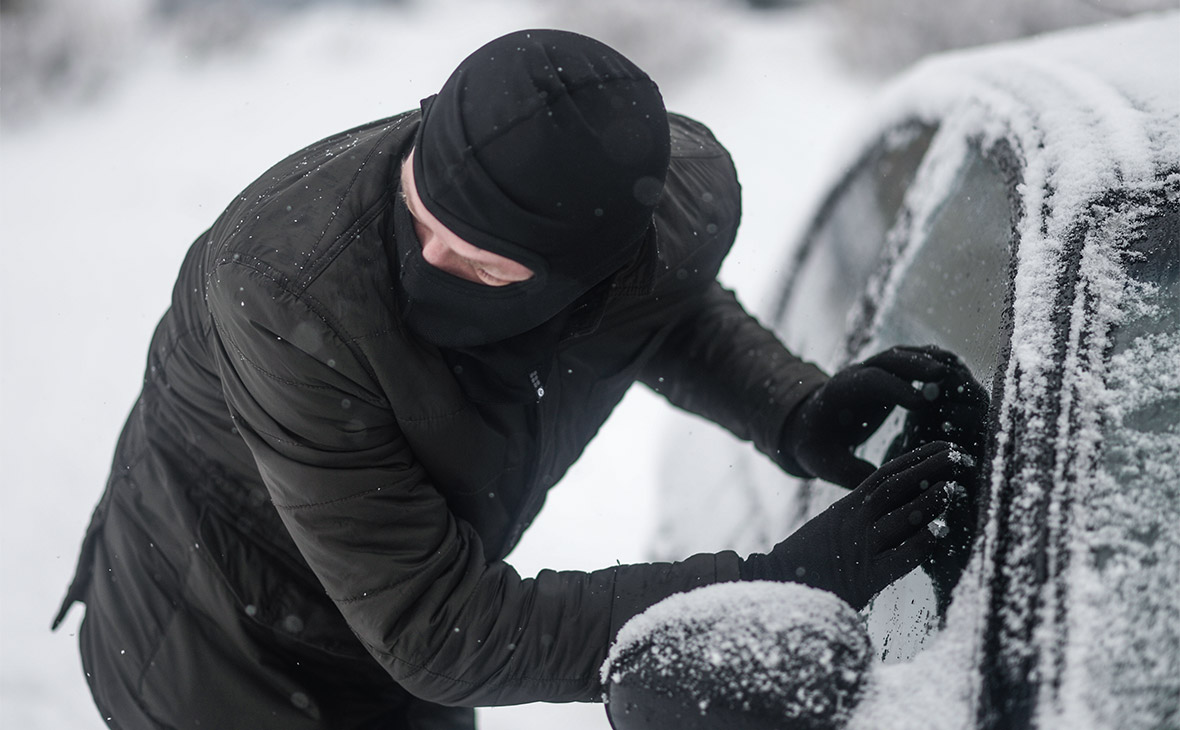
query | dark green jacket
(294,440)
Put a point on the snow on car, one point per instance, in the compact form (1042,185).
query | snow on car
(1019,205)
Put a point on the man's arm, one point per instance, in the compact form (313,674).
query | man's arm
(410,578)
(722,364)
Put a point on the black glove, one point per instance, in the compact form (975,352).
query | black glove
(956,411)
(823,430)
(959,415)
(874,535)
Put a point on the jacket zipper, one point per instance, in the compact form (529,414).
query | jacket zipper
(545,413)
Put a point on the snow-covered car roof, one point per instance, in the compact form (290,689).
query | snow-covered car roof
(1092,109)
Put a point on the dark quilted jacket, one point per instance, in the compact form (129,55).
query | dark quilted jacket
(324,476)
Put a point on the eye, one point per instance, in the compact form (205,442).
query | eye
(488,277)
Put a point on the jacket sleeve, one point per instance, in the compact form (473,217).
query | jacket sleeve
(410,578)
(720,363)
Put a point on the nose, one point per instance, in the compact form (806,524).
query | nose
(439,255)
(433,251)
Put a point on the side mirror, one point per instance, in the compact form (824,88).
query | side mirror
(739,656)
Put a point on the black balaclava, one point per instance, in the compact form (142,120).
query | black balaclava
(544,146)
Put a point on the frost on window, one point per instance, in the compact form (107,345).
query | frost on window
(1123,656)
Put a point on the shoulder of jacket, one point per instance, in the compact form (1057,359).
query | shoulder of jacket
(299,256)
(697,218)
(691,138)
(297,214)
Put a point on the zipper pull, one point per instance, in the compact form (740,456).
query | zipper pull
(537,386)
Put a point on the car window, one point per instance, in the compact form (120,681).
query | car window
(940,215)
(949,286)
(842,250)
(1125,582)
(954,288)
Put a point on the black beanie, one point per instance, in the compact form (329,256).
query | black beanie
(547,147)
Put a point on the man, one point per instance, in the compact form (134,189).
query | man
(381,356)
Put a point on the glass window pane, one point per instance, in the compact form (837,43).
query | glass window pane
(841,252)
(950,287)
(1125,581)
(954,291)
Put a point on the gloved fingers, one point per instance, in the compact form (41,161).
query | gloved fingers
(959,383)
(961,390)
(847,470)
(953,366)
(869,387)
(848,400)
(900,524)
(912,552)
(942,355)
(944,376)
(939,462)
(903,463)
(926,363)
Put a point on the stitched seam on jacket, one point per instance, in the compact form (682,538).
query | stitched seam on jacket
(318,267)
(264,371)
(376,333)
(367,594)
(341,139)
(264,270)
(271,436)
(697,252)
(150,656)
(423,668)
(428,419)
(165,353)
(341,242)
(325,503)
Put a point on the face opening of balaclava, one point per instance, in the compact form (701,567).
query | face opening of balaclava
(544,146)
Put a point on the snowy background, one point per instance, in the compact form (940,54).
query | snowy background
(125,130)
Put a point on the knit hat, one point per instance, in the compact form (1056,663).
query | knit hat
(549,148)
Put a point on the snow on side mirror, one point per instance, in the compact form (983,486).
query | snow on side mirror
(739,656)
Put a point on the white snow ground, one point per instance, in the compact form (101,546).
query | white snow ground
(98,204)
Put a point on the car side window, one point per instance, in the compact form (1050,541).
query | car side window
(1128,514)
(953,290)
(914,247)
(949,285)
(840,253)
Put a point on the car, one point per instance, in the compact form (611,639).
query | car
(1018,205)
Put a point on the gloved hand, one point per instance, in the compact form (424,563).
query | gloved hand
(956,410)
(959,415)
(823,430)
(874,535)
